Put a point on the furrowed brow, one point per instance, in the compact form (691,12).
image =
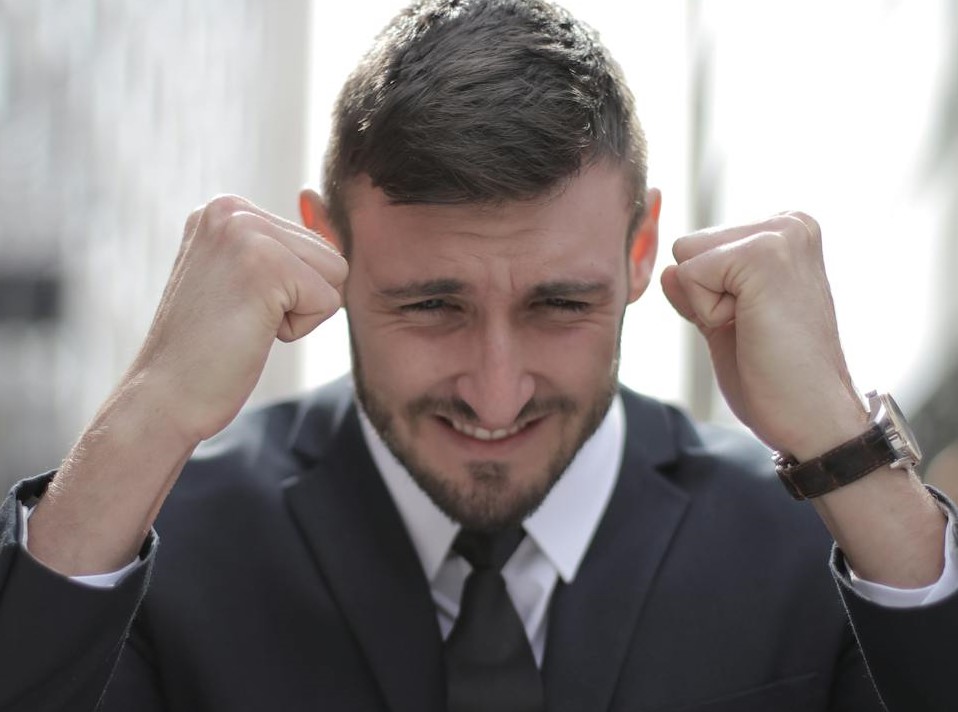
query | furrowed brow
(570,288)
(424,289)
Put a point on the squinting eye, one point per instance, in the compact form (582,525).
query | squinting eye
(426,305)
(565,305)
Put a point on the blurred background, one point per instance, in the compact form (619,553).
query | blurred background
(118,118)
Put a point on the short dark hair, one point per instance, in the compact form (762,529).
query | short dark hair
(481,101)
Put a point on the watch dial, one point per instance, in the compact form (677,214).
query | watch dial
(909,447)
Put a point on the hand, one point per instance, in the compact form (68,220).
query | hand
(760,296)
(242,279)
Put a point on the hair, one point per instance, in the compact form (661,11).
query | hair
(481,101)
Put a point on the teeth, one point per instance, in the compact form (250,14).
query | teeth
(483,434)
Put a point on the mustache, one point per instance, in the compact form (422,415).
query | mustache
(460,410)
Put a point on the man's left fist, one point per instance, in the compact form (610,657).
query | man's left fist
(760,296)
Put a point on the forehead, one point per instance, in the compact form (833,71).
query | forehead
(581,226)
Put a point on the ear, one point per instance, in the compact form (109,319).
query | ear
(645,243)
(316,217)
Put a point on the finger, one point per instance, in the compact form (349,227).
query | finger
(316,253)
(809,227)
(705,285)
(296,297)
(315,301)
(291,226)
(223,207)
(696,243)
(220,208)
(688,246)
(675,293)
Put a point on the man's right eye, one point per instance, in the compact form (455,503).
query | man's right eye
(427,305)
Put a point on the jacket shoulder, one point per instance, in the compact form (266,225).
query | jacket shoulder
(725,471)
(266,445)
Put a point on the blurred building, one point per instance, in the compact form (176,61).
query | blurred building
(116,119)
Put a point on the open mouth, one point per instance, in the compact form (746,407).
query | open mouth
(479,433)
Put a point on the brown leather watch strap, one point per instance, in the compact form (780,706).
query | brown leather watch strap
(837,467)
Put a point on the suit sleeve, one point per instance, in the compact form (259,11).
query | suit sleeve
(60,640)
(910,652)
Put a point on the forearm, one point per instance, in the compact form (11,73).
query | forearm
(100,506)
(889,528)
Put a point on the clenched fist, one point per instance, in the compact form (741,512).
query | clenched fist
(242,279)
(760,296)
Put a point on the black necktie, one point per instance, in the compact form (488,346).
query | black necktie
(489,662)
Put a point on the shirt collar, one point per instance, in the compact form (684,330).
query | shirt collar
(561,527)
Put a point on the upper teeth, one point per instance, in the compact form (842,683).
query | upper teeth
(482,433)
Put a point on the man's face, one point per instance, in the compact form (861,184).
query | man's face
(486,338)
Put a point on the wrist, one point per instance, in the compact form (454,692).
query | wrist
(147,401)
(886,440)
(833,424)
(889,528)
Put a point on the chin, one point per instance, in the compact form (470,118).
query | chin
(486,495)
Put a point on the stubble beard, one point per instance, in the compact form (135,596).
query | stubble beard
(493,499)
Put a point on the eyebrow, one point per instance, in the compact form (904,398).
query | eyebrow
(446,287)
(426,288)
(569,288)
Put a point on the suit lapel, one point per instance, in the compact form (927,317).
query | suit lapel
(364,553)
(591,620)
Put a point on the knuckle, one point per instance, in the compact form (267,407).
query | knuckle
(222,207)
(237,225)
(807,227)
(810,222)
(770,248)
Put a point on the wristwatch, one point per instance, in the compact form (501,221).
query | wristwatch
(888,441)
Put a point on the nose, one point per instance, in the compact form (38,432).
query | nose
(497,383)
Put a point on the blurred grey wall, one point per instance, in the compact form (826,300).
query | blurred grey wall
(116,120)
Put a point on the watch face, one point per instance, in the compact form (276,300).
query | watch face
(900,434)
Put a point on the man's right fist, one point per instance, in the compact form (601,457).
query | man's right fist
(242,278)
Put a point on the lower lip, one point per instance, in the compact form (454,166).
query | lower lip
(490,447)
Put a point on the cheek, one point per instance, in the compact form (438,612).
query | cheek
(399,364)
(576,351)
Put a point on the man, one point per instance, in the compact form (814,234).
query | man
(485,182)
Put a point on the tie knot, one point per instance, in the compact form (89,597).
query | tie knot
(487,550)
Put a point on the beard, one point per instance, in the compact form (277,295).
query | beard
(494,497)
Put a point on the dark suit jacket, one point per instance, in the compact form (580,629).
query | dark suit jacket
(286,581)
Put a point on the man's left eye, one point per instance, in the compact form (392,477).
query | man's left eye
(567,305)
